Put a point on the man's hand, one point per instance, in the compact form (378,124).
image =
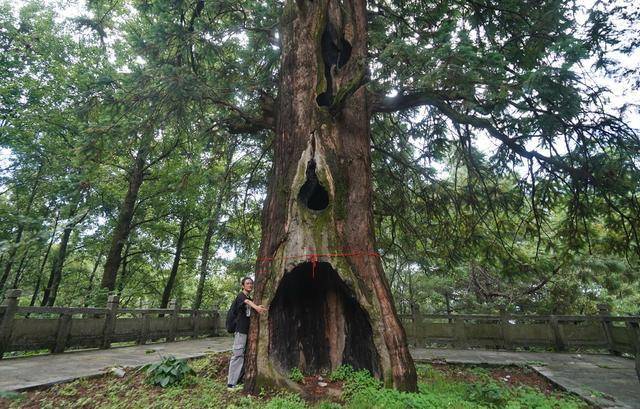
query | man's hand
(259,308)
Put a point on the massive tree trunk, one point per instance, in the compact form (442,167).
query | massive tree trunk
(329,301)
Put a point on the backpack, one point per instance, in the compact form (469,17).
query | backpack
(232,318)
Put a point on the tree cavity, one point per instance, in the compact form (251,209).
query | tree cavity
(312,193)
(335,51)
(316,323)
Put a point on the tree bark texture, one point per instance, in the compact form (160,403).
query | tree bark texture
(125,216)
(329,301)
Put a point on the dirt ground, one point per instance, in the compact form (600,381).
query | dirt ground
(95,390)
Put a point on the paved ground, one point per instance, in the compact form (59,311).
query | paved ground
(605,380)
(30,372)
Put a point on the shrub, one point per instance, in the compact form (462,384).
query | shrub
(169,371)
(296,375)
(490,393)
(286,401)
(342,373)
(359,381)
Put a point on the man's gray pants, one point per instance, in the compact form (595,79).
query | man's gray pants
(236,365)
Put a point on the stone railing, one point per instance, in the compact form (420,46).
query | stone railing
(59,328)
(617,334)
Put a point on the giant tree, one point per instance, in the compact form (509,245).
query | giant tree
(509,72)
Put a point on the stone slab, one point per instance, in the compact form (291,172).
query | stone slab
(19,374)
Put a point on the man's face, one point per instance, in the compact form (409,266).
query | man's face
(248,285)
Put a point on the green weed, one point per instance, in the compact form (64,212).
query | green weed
(167,372)
(296,375)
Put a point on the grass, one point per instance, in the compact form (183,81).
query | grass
(440,386)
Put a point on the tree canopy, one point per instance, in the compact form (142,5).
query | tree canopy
(506,172)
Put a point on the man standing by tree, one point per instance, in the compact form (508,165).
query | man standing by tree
(242,308)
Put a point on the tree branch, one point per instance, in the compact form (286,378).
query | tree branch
(430,98)
(242,122)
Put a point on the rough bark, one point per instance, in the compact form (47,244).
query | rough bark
(317,226)
(166,295)
(125,216)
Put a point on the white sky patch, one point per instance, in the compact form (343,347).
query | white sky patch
(6,160)
(225,254)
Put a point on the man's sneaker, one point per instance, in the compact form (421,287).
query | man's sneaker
(233,388)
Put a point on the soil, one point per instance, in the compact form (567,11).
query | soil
(312,391)
(95,390)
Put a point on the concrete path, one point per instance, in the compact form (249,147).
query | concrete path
(604,380)
(30,372)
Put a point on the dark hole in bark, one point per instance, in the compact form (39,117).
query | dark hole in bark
(324,99)
(312,193)
(345,53)
(335,51)
(316,324)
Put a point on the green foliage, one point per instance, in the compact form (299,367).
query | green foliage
(286,401)
(435,391)
(342,373)
(489,393)
(296,375)
(514,185)
(328,405)
(358,382)
(10,395)
(169,371)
